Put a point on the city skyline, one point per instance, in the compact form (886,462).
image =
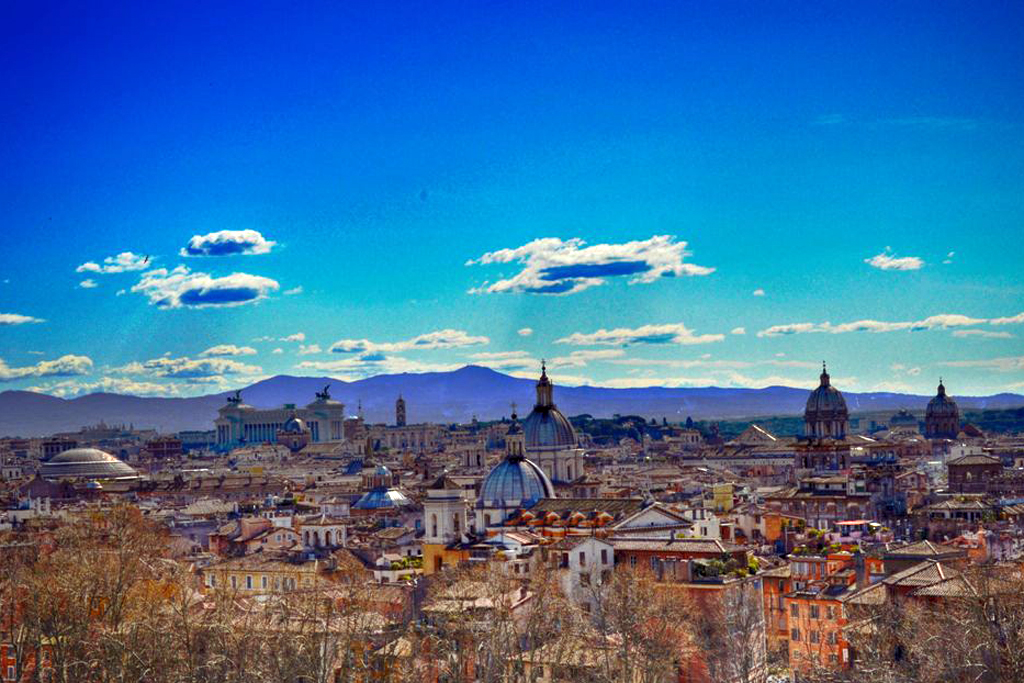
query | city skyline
(642,199)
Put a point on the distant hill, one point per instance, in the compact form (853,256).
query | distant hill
(454,396)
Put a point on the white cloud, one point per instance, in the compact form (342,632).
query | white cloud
(504,360)
(65,366)
(440,339)
(553,266)
(1012,320)
(88,283)
(370,364)
(111,385)
(18,319)
(297,337)
(935,322)
(556,377)
(1004,364)
(738,330)
(887,261)
(277,351)
(228,243)
(228,350)
(715,365)
(580,359)
(309,350)
(124,262)
(293,291)
(673,333)
(982,334)
(949,257)
(525,331)
(727,379)
(499,355)
(758,292)
(188,368)
(181,288)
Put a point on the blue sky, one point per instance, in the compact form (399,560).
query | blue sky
(677,194)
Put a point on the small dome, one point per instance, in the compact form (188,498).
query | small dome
(294,425)
(382,499)
(86,463)
(515,482)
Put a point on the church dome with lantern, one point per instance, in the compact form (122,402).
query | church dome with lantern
(546,428)
(942,417)
(826,415)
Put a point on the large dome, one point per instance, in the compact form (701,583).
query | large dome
(826,414)
(545,427)
(942,418)
(515,482)
(86,463)
(942,405)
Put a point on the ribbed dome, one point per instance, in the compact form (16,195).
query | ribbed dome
(942,405)
(826,414)
(942,418)
(294,425)
(545,427)
(826,400)
(86,463)
(515,482)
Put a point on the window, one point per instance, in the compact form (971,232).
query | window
(263,582)
(794,610)
(794,635)
(248,583)
(604,556)
(831,637)
(815,612)
(832,659)
(584,579)
(814,637)
(830,612)
(10,673)
(583,559)
(234,582)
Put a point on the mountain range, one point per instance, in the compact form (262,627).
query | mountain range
(442,397)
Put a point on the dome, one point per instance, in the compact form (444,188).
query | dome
(382,499)
(942,405)
(515,482)
(294,425)
(826,414)
(86,463)
(942,418)
(545,427)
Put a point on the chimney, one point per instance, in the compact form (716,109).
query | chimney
(861,570)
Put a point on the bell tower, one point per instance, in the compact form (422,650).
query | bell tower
(400,411)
